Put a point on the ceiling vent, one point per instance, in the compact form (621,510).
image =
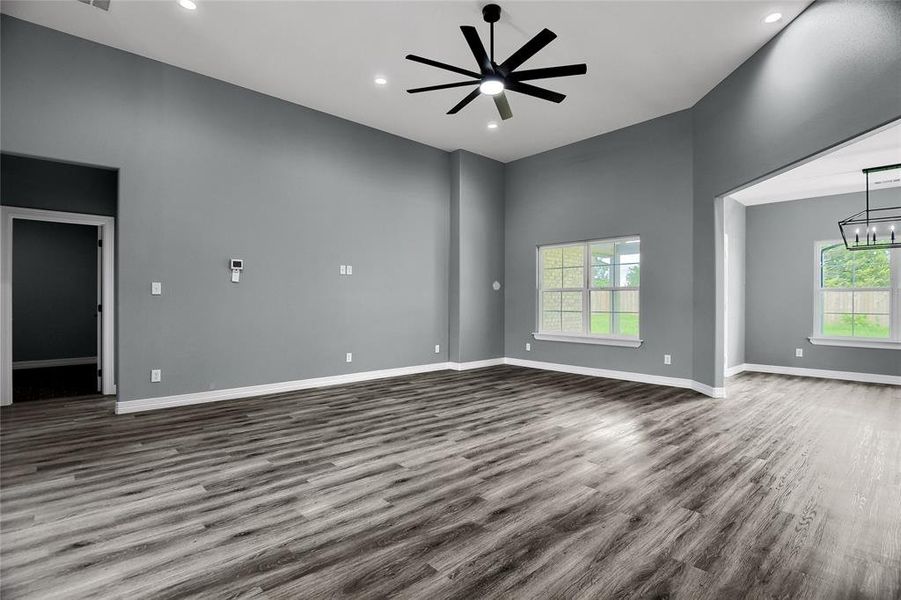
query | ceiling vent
(101,4)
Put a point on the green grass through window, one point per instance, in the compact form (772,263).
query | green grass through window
(855,326)
(628,324)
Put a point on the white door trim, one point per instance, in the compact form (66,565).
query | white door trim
(107,227)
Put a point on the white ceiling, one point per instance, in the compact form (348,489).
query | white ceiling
(645,59)
(835,172)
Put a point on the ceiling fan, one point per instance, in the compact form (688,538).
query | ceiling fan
(493,79)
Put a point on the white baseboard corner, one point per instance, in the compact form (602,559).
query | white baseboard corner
(734,370)
(819,373)
(54,362)
(678,382)
(476,364)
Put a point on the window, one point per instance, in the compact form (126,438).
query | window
(857,295)
(590,290)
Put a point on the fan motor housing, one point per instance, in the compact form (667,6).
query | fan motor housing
(491,13)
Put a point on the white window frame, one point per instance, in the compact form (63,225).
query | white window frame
(894,340)
(586,337)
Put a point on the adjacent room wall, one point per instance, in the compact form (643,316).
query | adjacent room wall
(54,291)
(477,258)
(829,76)
(735,247)
(781,280)
(51,185)
(210,171)
(635,180)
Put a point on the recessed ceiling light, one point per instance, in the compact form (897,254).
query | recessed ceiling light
(773,17)
(187,4)
(492,124)
(381,81)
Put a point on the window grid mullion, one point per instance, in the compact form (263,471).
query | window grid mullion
(586,285)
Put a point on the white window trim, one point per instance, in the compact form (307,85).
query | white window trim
(586,338)
(894,340)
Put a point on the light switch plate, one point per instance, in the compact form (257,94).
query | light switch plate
(528,347)
(349,357)
(350,269)
(667,359)
(342,270)
(156,288)
(156,376)
(799,353)
(437,348)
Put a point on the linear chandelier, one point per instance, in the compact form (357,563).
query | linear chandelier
(875,228)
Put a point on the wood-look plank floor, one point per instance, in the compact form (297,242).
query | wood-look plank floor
(496,483)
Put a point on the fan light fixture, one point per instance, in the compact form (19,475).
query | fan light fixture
(874,228)
(491,86)
(187,4)
(773,17)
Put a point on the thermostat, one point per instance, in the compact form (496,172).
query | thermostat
(237,265)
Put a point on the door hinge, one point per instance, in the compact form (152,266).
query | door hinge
(99,372)
(100,243)
(99,308)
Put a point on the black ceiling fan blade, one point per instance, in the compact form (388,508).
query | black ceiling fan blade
(443,86)
(503,107)
(548,72)
(537,92)
(478,50)
(469,98)
(530,49)
(446,67)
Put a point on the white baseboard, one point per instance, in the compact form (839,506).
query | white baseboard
(476,364)
(820,373)
(623,375)
(132,406)
(53,362)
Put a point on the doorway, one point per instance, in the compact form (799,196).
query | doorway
(52,355)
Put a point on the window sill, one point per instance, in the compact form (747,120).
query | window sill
(586,339)
(855,343)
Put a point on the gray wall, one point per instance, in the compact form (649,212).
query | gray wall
(635,180)
(832,74)
(51,185)
(735,251)
(54,290)
(209,171)
(477,258)
(780,286)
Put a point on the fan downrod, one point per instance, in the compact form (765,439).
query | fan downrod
(491,13)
